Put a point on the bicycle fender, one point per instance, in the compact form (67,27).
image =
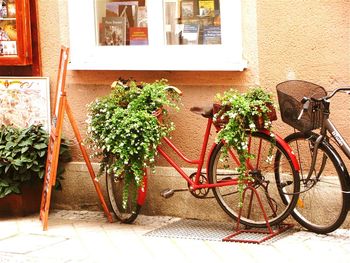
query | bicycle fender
(340,164)
(141,193)
(210,153)
(286,146)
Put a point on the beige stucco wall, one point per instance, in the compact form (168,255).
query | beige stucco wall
(307,40)
(304,39)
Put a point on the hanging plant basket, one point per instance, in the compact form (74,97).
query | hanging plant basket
(234,115)
(221,119)
(127,125)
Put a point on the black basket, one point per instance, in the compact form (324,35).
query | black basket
(290,93)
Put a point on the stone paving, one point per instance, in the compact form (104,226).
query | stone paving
(85,236)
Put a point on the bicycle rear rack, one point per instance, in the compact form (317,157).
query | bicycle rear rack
(255,236)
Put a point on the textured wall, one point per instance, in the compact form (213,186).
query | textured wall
(282,40)
(307,40)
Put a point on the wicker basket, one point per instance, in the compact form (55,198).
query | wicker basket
(158,113)
(290,94)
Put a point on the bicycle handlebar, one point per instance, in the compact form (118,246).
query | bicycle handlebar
(332,94)
(306,100)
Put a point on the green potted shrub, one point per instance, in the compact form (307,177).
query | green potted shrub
(23,154)
(235,114)
(123,127)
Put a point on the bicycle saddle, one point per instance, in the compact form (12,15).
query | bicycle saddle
(206,112)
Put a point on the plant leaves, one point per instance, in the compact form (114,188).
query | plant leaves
(40,146)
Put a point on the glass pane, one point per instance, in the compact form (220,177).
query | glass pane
(8,31)
(192,22)
(120,23)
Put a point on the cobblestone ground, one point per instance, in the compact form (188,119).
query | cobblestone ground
(86,236)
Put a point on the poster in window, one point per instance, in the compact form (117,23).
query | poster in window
(114,31)
(127,9)
(187,9)
(190,34)
(8,30)
(206,7)
(138,36)
(142,17)
(212,35)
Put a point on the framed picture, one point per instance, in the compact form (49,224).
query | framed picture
(25,101)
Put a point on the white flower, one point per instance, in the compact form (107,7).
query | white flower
(244,145)
(232,115)
(267,124)
(269,159)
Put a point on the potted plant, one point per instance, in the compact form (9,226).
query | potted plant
(125,125)
(23,154)
(238,113)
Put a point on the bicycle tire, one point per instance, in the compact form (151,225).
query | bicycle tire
(321,208)
(115,187)
(228,197)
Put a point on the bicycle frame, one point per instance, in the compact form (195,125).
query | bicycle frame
(194,184)
(329,126)
(341,142)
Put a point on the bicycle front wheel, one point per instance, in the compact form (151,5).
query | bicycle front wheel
(262,168)
(321,206)
(126,211)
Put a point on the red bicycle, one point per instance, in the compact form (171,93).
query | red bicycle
(273,169)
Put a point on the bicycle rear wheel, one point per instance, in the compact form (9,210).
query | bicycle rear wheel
(263,167)
(321,206)
(115,186)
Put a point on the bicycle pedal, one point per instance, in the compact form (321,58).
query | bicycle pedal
(167,193)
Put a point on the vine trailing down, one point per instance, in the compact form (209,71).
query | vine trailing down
(242,112)
(124,131)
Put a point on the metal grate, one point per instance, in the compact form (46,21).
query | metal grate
(204,230)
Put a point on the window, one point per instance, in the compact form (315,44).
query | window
(192,22)
(156,35)
(121,23)
(8,32)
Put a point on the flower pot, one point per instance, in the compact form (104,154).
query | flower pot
(28,202)
(158,114)
(220,121)
(219,110)
(259,121)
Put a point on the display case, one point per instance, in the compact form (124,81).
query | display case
(156,35)
(15,33)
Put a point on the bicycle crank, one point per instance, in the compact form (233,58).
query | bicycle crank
(167,193)
(201,192)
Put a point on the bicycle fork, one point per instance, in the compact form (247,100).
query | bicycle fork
(314,155)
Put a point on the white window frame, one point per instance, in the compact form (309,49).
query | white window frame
(87,55)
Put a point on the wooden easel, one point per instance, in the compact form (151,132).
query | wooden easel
(61,106)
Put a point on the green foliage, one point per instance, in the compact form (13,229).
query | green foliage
(122,124)
(242,111)
(23,156)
